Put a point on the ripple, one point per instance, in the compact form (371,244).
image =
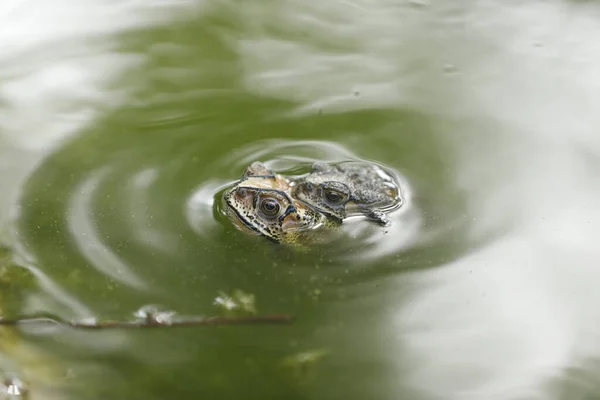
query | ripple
(138,205)
(403,232)
(89,241)
(200,205)
(287,154)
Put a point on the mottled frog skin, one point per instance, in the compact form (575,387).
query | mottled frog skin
(261,204)
(348,189)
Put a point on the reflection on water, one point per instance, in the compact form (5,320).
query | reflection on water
(483,287)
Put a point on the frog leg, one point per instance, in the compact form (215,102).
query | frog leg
(377,216)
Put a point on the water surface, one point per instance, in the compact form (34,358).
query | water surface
(119,128)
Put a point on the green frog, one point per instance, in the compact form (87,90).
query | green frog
(260,203)
(349,189)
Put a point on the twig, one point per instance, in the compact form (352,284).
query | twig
(153,322)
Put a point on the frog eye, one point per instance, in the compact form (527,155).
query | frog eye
(333,196)
(270,207)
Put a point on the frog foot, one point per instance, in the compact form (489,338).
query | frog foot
(378,217)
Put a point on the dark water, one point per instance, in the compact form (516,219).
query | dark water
(482,288)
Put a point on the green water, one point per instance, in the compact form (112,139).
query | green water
(104,218)
(122,215)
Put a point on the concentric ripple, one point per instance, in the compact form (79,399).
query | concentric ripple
(119,221)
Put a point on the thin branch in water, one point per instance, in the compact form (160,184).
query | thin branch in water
(153,322)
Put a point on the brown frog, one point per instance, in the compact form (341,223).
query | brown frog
(348,189)
(261,204)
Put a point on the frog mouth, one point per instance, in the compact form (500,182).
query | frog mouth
(243,224)
(291,223)
(352,207)
(231,210)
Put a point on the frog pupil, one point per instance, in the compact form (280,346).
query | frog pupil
(332,196)
(270,207)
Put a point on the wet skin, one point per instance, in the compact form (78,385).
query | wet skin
(261,204)
(349,189)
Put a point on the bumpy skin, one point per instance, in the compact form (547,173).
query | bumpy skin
(261,204)
(348,189)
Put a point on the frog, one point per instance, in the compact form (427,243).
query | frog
(261,203)
(351,188)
